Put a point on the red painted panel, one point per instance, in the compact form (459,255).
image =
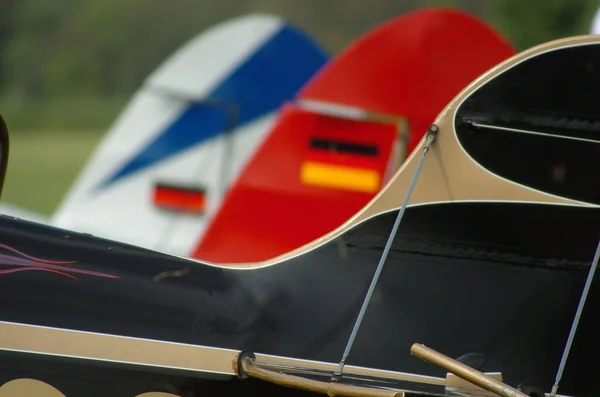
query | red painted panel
(269,210)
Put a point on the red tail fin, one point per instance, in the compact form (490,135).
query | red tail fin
(296,188)
(411,66)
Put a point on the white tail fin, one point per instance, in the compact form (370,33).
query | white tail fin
(163,167)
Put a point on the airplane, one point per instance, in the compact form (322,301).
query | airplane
(485,239)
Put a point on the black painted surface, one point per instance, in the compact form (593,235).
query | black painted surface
(493,278)
(554,93)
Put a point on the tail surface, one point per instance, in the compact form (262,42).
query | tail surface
(164,166)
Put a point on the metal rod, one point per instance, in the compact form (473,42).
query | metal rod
(300,366)
(347,112)
(431,135)
(530,132)
(575,323)
(464,371)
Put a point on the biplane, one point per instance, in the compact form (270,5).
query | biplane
(483,246)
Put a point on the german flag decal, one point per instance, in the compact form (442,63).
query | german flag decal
(343,147)
(185,199)
(341,165)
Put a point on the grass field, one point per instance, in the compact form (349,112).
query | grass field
(43,164)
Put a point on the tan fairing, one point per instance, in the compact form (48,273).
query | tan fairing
(448,173)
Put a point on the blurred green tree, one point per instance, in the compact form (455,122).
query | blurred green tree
(67,59)
(532,22)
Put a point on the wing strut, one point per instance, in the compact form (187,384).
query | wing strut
(369,382)
(430,138)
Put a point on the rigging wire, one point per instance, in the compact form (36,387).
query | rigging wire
(430,138)
(531,132)
(584,294)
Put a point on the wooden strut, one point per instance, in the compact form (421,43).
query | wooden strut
(250,368)
(464,371)
(245,366)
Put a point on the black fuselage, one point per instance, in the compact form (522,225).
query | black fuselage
(499,279)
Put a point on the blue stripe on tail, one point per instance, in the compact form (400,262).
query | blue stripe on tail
(273,74)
